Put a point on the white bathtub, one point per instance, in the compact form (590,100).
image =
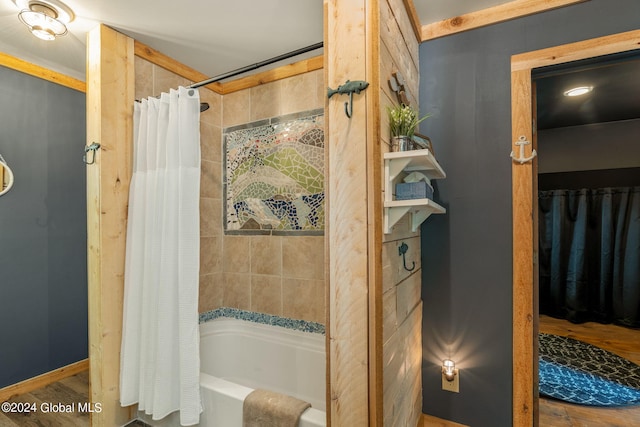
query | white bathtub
(237,356)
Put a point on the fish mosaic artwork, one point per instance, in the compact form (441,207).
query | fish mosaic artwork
(274,175)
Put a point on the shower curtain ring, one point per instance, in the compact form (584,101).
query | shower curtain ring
(93,148)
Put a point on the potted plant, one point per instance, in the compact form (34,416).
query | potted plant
(403,121)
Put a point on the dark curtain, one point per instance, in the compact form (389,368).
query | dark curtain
(589,255)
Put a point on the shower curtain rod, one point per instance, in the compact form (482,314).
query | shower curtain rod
(257,65)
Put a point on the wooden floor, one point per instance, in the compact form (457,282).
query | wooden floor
(621,341)
(431,421)
(73,390)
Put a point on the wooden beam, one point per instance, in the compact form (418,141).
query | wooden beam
(614,43)
(492,15)
(43,380)
(374,212)
(414,18)
(160,59)
(283,72)
(41,72)
(110,97)
(268,76)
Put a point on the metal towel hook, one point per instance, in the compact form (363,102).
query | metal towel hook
(348,88)
(403,250)
(93,148)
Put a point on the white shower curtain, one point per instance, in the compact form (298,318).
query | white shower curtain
(160,360)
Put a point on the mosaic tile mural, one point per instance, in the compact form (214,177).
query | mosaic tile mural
(274,175)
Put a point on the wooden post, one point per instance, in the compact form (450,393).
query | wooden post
(523,316)
(355,214)
(110,97)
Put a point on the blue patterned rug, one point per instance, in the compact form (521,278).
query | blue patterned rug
(581,373)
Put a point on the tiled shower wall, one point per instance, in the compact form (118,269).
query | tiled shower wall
(280,275)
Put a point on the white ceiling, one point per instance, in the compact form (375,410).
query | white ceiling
(213,37)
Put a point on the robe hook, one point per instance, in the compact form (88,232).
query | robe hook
(348,87)
(403,250)
(93,148)
(521,142)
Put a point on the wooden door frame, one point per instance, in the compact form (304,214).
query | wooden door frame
(524,206)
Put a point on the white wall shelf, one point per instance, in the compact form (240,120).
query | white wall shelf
(402,162)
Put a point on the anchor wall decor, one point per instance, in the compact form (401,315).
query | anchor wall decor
(396,83)
(521,142)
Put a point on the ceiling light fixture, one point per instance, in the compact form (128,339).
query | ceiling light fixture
(46,19)
(577,91)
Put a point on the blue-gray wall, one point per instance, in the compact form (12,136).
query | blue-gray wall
(467,288)
(43,273)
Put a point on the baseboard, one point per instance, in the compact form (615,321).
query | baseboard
(431,421)
(42,380)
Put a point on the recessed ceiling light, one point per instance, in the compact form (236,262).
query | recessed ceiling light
(577,91)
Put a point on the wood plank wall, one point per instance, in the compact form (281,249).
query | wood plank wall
(110,95)
(402,306)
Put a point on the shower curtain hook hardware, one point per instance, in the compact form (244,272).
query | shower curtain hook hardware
(403,250)
(521,142)
(93,148)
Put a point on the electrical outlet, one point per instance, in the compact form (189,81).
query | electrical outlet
(452,386)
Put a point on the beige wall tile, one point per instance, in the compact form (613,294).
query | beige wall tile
(266,255)
(210,179)
(285,272)
(321,88)
(144,78)
(299,93)
(237,290)
(210,255)
(237,255)
(210,142)
(211,292)
(303,257)
(208,225)
(265,101)
(266,294)
(213,115)
(303,299)
(216,216)
(164,80)
(236,108)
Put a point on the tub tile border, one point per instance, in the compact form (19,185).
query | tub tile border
(265,319)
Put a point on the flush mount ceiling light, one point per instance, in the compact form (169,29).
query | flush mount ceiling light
(577,91)
(45,19)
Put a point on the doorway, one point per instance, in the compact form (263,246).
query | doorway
(525,293)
